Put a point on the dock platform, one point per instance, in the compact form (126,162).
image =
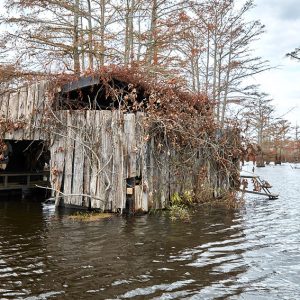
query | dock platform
(21,181)
(264,190)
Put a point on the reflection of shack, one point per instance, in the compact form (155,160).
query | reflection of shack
(104,152)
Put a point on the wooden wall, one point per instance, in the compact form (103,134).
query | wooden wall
(94,154)
(99,159)
(105,160)
(22,113)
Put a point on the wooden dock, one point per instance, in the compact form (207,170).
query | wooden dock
(21,181)
(264,189)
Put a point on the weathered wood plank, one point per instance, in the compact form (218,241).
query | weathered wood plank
(21,111)
(43,108)
(87,159)
(150,171)
(156,171)
(118,179)
(175,176)
(68,174)
(130,145)
(77,186)
(138,198)
(33,110)
(164,180)
(139,137)
(37,113)
(28,109)
(142,164)
(10,111)
(57,163)
(101,159)
(96,162)
(4,105)
(1,105)
(13,106)
(105,175)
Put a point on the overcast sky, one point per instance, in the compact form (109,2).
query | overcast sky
(282,20)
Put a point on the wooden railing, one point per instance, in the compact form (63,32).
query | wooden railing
(21,180)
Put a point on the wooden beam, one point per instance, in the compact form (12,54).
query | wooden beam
(249,176)
(271,196)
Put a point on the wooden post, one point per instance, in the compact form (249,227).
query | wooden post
(28,181)
(130,195)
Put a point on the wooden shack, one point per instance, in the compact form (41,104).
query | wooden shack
(101,156)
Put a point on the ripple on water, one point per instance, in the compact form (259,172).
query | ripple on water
(252,253)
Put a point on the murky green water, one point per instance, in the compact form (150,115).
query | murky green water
(253,253)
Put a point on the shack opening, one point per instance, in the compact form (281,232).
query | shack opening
(23,164)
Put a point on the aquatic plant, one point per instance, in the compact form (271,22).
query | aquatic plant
(90,216)
(182,213)
(180,206)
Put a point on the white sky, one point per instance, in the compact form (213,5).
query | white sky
(282,21)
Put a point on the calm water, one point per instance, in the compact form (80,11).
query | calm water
(253,253)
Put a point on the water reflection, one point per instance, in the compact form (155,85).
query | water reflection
(252,253)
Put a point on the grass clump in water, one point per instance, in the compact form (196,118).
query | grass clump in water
(180,206)
(90,216)
(180,213)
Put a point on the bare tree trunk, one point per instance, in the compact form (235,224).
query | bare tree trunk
(198,75)
(194,74)
(207,62)
(130,36)
(154,32)
(76,58)
(82,48)
(226,83)
(128,55)
(219,83)
(90,32)
(152,48)
(214,79)
(139,47)
(102,32)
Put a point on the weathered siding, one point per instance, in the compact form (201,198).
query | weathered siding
(99,159)
(100,153)
(25,110)
(104,152)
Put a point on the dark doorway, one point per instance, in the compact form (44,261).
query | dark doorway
(25,156)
